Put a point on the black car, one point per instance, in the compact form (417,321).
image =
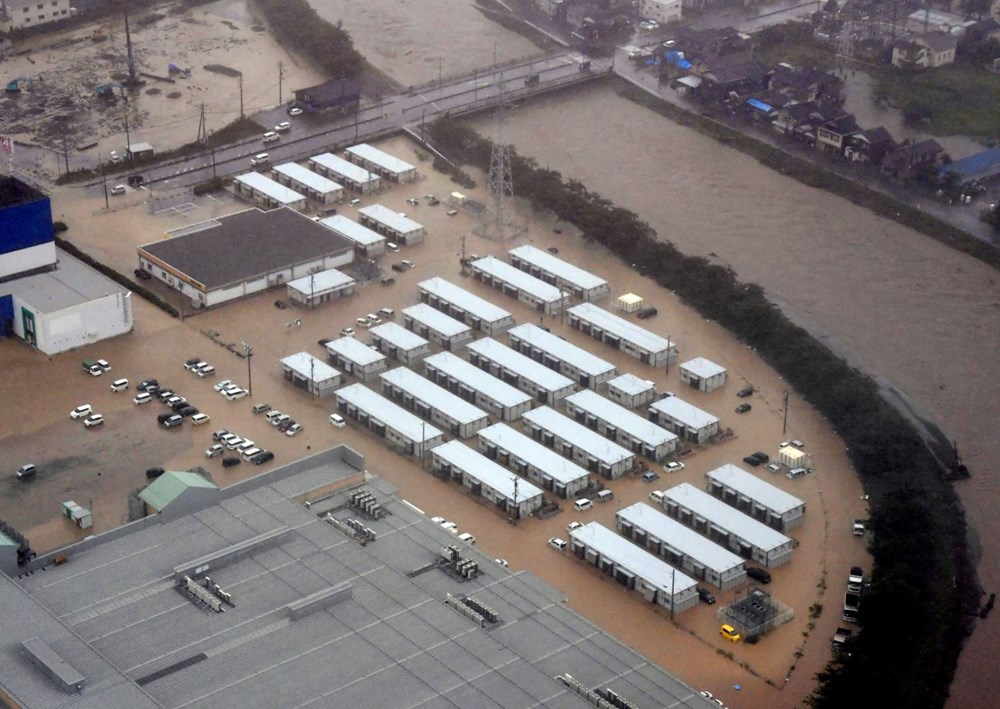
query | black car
(752,460)
(743,408)
(177,406)
(187,411)
(398,267)
(745,392)
(147,384)
(759,574)
(704,596)
(174,421)
(646,313)
(162,418)
(230,460)
(262,457)
(135,180)
(280,304)
(285,425)
(153,473)
(142,275)
(762,457)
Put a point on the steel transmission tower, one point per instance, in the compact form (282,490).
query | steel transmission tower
(498,221)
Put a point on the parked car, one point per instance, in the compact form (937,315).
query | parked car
(729,633)
(233,395)
(557,544)
(502,562)
(142,397)
(261,408)
(220,434)
(745,392)
(294,111)
(364,322)
(230,460)
(705,596)
(347,332)
(773,467)
(81,411)
(656,496)
(192,363)
(743,408)
(147,384)
(397,267)
(214,450)
(283,127)
(573,525)
(119,385)
(293,429)
(188,411)
(415,202)
(93,420)
(27,470)
(391,246)
(650,476)
(408,263)
(174,421)
(337,420)
(153,473)
(673,467)
(118,189)
(762,456)
(646,312)
(751,460)
(285,425)
(759,574)
(271,415)
(262,457)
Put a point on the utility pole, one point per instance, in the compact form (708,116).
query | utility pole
(248,354)
(672,574)
(439,74)
(422,110)
(104,181)
(784,425)
(128,140)
(281,74)
(202,136)
(212,146)
(241,96)
(669,345)
(65,153)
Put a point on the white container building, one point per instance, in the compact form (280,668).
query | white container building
(542,383)
(435,326)
(702,374)
(472,384)
(554,352)
(687,421)
(629,303)
(404,431)
(531,291)
(680,546)
(355,357)
(552,269)
(634,568)
(314,375)
(623,335)
(394,340)
(631,391)
(367,242)
(726,526)
(264,191)
(429,401)
(381,163)
(392,224)
(484,477)
(793,457)
(311,184)
(531,459)
(354,177)
(321,287)
(758,498)
(641,436)
(592,450)
(462,305)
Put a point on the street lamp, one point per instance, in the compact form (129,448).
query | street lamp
(248,355)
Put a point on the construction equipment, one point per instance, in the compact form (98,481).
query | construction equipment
(14,85)
(108,90)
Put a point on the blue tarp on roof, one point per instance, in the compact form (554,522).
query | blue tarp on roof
(979,166)
(760,105)
(677,58)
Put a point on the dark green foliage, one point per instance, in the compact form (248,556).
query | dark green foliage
(212,185)
(917,612)
(296,24)
(59,227)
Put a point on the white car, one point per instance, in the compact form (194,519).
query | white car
(438,520)
(283,127)
(673,467)
(118,189)
(93,420)
(143,397)
(80,411)
(294,111)
(237,394)
(573,525)
(293,429)
(215,450)
(347,332)
(219,386)
(364,322)
(391,246)
(337,420)
(103,364)
(557,544)
(502,562)
(450,527)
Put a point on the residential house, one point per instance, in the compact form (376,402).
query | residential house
(807,85)
(870,145)
(984,31)
(723,77)
(666,12)
(907,159)
(926,51)
(978,167)
(718,41)
(832,136)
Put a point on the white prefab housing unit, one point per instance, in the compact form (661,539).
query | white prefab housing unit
(526,288)
(687,421)
(680,546)
(481,475)
(320,287)
(437,327)
(512,448)
(631,391)
(628,303)
(381,162)
(392,224)
(758,498)
(794,457)
(429,401)
(312,184)
(666,12)
(592,450)
(552,269)
(542,383)
(634,568)
(462,305)
(265,191)
(367,242)
(394,340)
(558,354)
(314,375)
(355,357)
(632,431)
(472,384)
(702,374)
(726,526)
(404,431)
(355,177)
(623,335)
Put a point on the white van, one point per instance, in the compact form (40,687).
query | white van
(467,538)
(795,472)
(271,136)
(260,159)
(656,496)
(199,419)
(605,495)
(249,453)
(582,504)
(119,385)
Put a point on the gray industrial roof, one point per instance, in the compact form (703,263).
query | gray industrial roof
(425,390)
(745,483)
(503,271)
(265,185)
(436,320)
(580,436)
(397,335)
(391,642)
(691,416)
(72,283)
(354,350)
(533,453)
(473,377)
(393,416)
(621,418)
(479,467)
(725,517)
(630,384)
(246,245)
(614,325)
(459,297)
(381,158)
(562,350)
(680,538)
(390,218)
(520,364)
(558,268)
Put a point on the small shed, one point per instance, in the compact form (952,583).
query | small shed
(793,457)
(629,303)
(81,516)
(703,374)
(456,198)
(135,151)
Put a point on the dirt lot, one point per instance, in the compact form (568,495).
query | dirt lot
(97,468)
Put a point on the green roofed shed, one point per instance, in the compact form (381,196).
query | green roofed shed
(174,489)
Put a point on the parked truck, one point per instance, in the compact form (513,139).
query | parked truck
(852,601)
(859,528)
(92,368)
(840,638)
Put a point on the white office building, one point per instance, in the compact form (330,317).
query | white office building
(556,353)
(562,274)
(687,421)
(631,391)
(437,327)
(634,568)
(482,476)
(702,374)
(641,436)
(680,546)
(462,305)
(367,242)
(391,224)
(592,450)
(666,12)
(758,498)
(394,340)
(429,401)
(22,14)
(321,287)
(381,163)
(311,184)
(472,384)
(727,526)
(404,432)
(354,177)
(314,375)
(531,291)
(531,459)
(355,357)
(623,335)
(543,384)
(264,191)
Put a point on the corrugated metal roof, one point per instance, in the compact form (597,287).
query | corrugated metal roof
(166,488)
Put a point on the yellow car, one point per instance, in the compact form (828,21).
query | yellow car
(729,633)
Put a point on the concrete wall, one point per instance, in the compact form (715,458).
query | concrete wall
(84,324)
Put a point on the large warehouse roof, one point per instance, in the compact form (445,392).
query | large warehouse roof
(245,245)
(436,320)
(614,325)
(519,364)
(393,416)
(352,230)
(596,445)
(307,177)
(338,166)
(490,474)
(621,418)
(558,268)
(561,349)
(398,336)
(390,218)
(680,538)
(689,415)
(517,278)
(425,390)
(725,517)
(473,377)
(265,185)
(459,297)
(354,350)
(388,162)
(774,498)
(533,453)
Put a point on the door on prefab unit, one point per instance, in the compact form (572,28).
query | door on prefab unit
(28,322)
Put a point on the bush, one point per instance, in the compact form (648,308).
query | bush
(212,185)
(295,24)
(59,227)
